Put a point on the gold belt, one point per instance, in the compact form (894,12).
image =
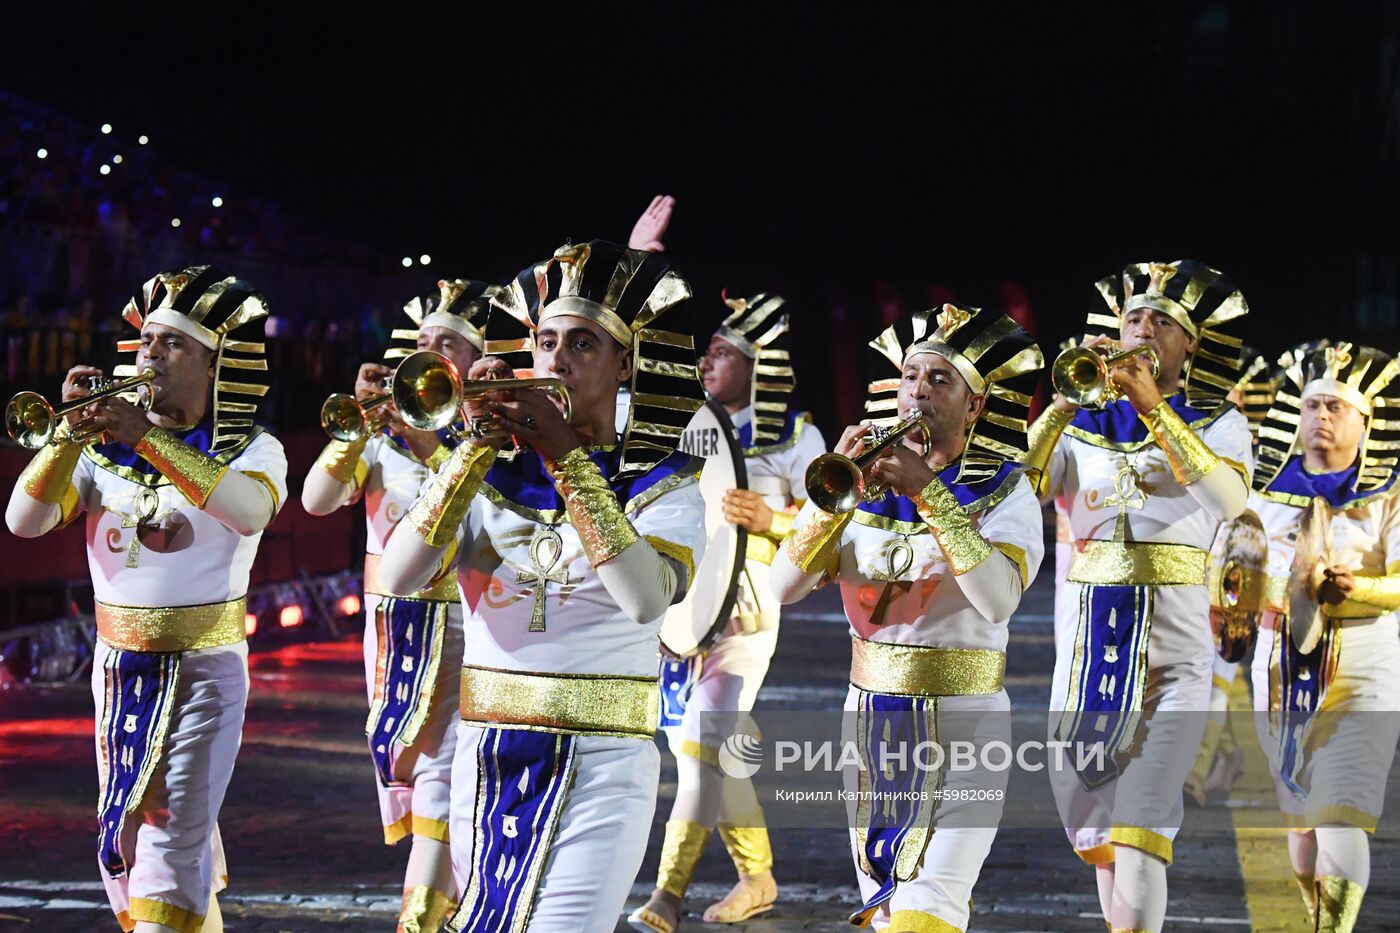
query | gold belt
(913,670)
(592,704)
(172,628)
(444,590)
(1137,563)
(760,548)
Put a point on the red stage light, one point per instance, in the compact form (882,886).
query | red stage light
(290,616)
(250,624)
(349,605)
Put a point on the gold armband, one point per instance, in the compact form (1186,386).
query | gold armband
(782,525)
(1381,592)
(1044,434)
(341,461)
(194,473)
(49,476)
(963,545)
(812,547)
(1188,455)
(593,508)
(437,458)
(436,515)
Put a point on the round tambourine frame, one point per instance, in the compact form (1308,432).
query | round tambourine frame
(712,437)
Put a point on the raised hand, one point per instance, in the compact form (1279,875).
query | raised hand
(651,226)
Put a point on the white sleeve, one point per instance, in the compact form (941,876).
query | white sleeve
(786,581)
(1014,529)
(322,493)
(809,447)
(27,517)
(251,493)
(658,570)
(1224,491)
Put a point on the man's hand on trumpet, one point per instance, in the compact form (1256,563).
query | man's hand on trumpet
(117,419)
(900,468)
(532,418)
(76,385)
(1133,374)
(369,382)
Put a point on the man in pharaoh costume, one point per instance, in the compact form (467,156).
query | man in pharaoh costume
(1147,476)
(931,559)
(177,497)
(748,370)
(1327,653)
(567,555)
(412,693)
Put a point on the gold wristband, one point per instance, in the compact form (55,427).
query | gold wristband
(963,545)
(341,460)
(782,525)
(49,476)
(195,474)
(1381,592)
(437,458)
(593,508)
(1044,434)
(436,515)
(1188,455)
(813,545)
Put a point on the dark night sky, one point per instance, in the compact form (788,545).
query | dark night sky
(1046,144)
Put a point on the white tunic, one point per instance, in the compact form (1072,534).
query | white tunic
(390,479)
(1347,754)
(926,606)
(585,630)
(192,558)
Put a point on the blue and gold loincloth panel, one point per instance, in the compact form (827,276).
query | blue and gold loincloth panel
(677,681)
(411,635)
(1297,688)
(1108,678)
(133,725)
(523,780)
(896,802)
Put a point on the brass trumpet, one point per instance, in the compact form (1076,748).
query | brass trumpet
(425,387)
(431,398)
(32,422)
(837,484)
(1080,374)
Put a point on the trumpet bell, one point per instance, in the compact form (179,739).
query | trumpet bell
(30,420)
(427,390)
(1080,374)
(834,483)
(343,418)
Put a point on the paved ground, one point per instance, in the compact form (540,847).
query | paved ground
(301,830)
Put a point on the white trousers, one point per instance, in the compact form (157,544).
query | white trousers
(171,842)
(600,840)
(422,807)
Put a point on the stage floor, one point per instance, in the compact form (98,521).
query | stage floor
(302,836)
